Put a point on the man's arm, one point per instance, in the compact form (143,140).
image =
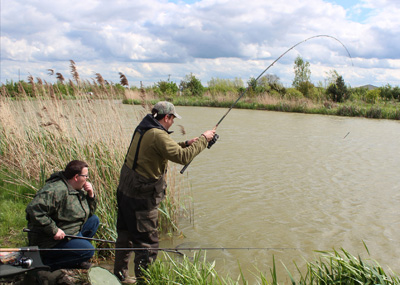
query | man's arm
(91,197)
(39,212)
(169,149)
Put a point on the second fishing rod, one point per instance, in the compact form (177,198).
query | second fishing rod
(215,138)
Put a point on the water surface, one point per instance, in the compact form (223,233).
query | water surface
(294,182)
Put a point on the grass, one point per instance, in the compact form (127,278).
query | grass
(170,270)
(13,200)
(344,268)
(335,267)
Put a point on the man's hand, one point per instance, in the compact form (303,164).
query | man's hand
(189,142)
(209,134)
(88,187)
(59,235)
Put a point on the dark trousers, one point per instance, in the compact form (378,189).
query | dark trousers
(136,228)
(73,258)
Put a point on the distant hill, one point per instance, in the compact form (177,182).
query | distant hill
(369,87)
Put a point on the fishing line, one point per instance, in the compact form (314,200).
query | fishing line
(174,250)
(265,70)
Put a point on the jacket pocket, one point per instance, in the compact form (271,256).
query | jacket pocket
(147,220)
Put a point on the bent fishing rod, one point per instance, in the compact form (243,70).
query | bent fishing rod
(258,77)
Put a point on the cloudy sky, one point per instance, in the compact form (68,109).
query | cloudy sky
(153,40)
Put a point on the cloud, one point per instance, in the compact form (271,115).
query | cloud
(152,39)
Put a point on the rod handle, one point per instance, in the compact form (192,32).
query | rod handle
(186,166)
(9,249)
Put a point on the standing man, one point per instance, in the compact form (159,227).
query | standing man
(65,205)
(142,185)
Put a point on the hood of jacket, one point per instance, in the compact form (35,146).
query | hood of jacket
(149,122)
(55,177)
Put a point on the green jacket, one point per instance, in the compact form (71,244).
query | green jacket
(57,205)
(157,147)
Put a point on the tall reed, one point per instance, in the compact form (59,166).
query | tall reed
(41,136)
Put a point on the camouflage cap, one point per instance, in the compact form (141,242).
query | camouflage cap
(166,108)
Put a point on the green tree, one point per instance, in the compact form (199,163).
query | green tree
(302,72)
(191,86)
(338,91)
(332,76)
(252,87)
(167,87)
(271,82)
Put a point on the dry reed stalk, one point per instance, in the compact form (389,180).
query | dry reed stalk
(51,91)
(4,92)
(60,77)
(32,83)
(21,90)
(74,72)
(102,83)
(76,92)
(266,99)
(124,80)
(100,79)
(40,84)
(132,94)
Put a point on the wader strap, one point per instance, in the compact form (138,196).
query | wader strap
(137,149)
(141,133)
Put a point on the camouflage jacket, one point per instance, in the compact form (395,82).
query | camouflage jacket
(57,205)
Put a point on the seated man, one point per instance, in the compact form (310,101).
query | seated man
(64,206)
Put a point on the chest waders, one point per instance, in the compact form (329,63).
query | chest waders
(138,199)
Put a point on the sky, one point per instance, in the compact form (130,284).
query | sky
(158,40)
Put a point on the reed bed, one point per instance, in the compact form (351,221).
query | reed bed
(341,267)
(38,137)
(333,267)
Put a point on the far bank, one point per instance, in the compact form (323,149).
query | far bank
(381,109)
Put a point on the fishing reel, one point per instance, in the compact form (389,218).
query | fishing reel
(212,141)
(24,262)
(16,259)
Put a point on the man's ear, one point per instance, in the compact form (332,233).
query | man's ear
(75,177)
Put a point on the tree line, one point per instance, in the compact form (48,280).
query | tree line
(335,90)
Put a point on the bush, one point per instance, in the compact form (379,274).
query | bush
(350,111)
(373,96)
(293,94)
(358,93)
(388,92)
(224,86)
(375,113)
(306,88)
